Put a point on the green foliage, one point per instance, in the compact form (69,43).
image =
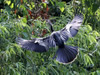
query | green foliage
(17,61)
(90,10)
(59,4)
(10,53)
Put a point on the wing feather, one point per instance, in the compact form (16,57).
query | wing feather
(37,44)
(43,44)
(71,29)
(30,45)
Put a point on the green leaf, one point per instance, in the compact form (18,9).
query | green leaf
(24,20)
(8,2)
(89,28)
(96,33)
(18,73)
(33,5)
(88,60)
(3,29)
(92,39)
(12,5)
(60,4)
(62,9)
(44,4)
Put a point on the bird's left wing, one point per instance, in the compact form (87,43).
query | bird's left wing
(71,29)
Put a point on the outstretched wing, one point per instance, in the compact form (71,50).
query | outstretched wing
(37,44)
(43,44)
(71,29)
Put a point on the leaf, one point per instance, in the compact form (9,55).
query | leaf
(89,28)
(8,2)
(12,50)
(96,33)
(44,4)
(4,29)
(19,16)
(12,5)
(33,5)
(92,73)
(88,60)
(62,9)
(60,4)
(92,39)
(24,20)
(18,73)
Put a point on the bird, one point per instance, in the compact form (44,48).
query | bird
(65,54)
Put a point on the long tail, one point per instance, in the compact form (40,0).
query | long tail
(67,54)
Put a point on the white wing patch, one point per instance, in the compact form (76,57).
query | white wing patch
(68,26)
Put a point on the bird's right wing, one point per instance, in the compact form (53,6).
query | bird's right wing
(37,44)
(30,45)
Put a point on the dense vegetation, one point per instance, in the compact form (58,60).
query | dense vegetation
(26,18)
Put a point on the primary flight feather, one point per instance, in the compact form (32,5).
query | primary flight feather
(65,54)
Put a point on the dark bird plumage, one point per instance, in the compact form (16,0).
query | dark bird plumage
(65,54)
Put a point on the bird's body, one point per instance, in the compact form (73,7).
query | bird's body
(65,54)
(57,38)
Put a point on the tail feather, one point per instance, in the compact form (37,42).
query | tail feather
(67,54)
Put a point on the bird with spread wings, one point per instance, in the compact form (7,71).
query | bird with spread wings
(65,54)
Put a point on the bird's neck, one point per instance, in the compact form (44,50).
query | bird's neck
(58,40)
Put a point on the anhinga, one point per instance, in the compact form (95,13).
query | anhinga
(65,54)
